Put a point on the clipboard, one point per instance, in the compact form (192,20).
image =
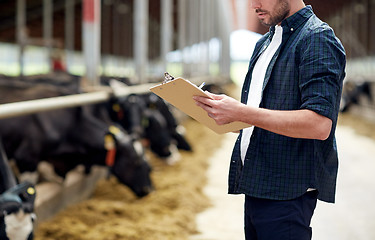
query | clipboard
(179,92)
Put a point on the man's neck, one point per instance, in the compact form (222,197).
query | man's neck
(295,6)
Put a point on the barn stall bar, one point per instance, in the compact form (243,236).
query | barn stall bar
(34,106)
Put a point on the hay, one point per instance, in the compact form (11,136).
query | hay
(360,125)
(168,213)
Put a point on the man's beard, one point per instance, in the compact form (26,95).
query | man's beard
(280,12)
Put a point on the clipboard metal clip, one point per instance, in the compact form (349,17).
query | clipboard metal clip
(167,77)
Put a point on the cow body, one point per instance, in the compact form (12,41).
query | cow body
(144,116)
(174,129)
(73,132)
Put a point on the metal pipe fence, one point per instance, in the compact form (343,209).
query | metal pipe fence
(16,109)
(34,106)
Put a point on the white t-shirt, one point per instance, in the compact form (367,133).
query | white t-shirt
(257,80)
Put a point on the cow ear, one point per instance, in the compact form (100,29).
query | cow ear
(114,130)
(116,107)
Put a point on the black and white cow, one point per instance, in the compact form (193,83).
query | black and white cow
(151,121)
(62,80)
(150,117)
(16,204)
(151,124)
(353,92)
(77,133)
(176,131)
(17,212)
(143,116)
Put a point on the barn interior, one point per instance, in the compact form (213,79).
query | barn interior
(91,42)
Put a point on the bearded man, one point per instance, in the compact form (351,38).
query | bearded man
(291,96)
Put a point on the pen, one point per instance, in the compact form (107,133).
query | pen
(200,86)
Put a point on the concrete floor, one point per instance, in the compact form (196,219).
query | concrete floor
(224,220)
(351,217)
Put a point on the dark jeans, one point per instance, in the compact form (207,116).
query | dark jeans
(279,220)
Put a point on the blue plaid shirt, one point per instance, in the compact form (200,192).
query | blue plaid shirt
(306,72)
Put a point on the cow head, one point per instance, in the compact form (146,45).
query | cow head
(178,134)
(129,164)
(16,212)
(129,113)
(141,121)
(160,139)
(171,126)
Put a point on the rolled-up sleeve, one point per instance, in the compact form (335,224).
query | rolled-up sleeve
(321,73)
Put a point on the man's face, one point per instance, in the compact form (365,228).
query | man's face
(271,12)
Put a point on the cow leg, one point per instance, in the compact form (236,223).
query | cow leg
(47,173)
(7,178)
(26,158)
(175,155)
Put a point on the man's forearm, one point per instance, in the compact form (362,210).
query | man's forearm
(298,123)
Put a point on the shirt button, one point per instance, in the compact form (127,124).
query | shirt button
(292,29)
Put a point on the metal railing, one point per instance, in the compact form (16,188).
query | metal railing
(104,94)
(34,106)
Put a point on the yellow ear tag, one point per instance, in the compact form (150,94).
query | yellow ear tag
(116,107)
(109,142)
(31,190)
(114,130)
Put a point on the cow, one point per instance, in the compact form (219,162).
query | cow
(157,126)
(77,133)
(131,111)
(149,116)
(16,204)
(17,212)
(106,80)
(63,80)
(176,131)
(352,94)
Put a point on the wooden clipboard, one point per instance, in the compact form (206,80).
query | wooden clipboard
(179,92)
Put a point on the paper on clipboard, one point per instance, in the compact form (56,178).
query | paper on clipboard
(179,92)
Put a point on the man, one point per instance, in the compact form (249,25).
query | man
(290,96)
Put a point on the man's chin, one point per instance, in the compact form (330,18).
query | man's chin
(265,22)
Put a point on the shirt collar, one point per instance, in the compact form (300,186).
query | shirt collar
(292,23)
